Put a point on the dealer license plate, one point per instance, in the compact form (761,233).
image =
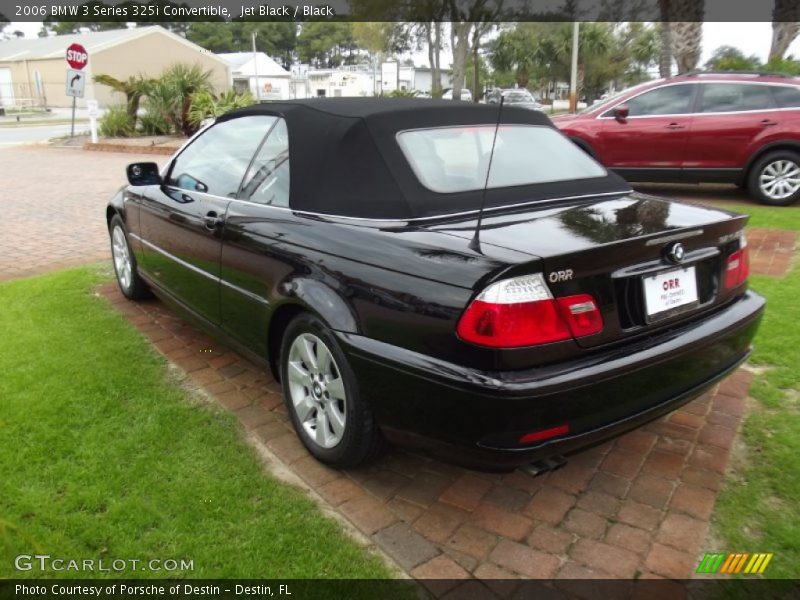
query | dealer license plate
(670,292)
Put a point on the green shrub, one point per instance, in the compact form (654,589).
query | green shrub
(151,123)
(205,104)
(116,122)
(404,94)
(787,65)
(134,88)
(170,96)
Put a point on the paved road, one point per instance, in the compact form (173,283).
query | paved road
(53,201)
(12,136)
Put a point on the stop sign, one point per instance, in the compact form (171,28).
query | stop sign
(77,57)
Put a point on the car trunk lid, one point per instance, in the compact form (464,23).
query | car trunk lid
(621,250)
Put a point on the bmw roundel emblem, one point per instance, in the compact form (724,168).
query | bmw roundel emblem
(676,253)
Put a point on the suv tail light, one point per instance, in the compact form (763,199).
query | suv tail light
(522,312)
(738,266)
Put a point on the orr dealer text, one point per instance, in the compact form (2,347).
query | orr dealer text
(124,590)
(134,11)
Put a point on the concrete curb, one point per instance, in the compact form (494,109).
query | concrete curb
(162,145)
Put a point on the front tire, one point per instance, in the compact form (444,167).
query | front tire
(775,178)
(321,393)
(130,284)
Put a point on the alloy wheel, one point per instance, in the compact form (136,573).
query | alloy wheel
(122,257)
(317,390)
(780,179)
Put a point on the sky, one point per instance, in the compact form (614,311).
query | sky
(750,38)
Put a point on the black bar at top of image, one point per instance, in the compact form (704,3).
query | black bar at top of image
(398,589)
(409,10)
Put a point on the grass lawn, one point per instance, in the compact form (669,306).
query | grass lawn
(759,510)
(102,456)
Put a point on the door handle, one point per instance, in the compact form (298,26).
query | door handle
(212,220)
(675,126)
(768,123)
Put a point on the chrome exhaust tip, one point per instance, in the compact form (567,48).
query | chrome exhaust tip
(551,463)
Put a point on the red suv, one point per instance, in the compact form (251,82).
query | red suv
(741,128)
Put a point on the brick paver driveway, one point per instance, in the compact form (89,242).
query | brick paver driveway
(52,201)
(637,506)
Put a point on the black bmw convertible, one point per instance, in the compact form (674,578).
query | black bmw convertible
(450,276)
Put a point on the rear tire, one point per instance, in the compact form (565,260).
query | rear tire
(775,178)
(332,420)
(130,284)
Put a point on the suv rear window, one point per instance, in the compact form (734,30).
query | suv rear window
(786,96)
(668,100)
(732,97)
(455,159)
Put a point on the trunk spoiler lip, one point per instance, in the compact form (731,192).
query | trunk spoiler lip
(674,237)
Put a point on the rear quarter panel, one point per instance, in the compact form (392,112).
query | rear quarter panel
(402,286)
(785,134)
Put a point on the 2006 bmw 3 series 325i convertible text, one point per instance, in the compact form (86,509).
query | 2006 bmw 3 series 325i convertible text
(334,240)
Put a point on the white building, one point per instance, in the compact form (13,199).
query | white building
(350,80)
(264,77)
(358,80)
(421,79)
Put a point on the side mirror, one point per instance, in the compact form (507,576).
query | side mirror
(621,112)
(145,173)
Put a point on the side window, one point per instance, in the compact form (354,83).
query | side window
(668,100)
(216,161)
(732,97)
(267,181)
(786,96)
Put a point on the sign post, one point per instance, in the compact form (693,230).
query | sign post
(77,57)
(92,106)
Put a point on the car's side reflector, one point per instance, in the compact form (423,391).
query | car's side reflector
(737,268)
(581,314)
(518,312)
(544,434)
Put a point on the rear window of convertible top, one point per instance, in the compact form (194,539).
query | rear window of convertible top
(456,159)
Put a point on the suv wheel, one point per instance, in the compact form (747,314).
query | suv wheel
(321,394)
(775,178)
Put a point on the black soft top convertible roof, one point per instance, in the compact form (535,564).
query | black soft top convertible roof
(345,160)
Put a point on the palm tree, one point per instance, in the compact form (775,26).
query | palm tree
(665,58)
(687,40)
(170,96)
(134,88)
(522,50)
(785,27)
(595,40)
(687,34)
(643,48)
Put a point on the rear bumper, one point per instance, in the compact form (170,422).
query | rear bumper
(477,417)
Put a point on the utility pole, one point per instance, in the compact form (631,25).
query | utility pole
(573,79)
(475,73)
(255,67)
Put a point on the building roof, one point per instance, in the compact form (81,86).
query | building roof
(94,41)
(242,63)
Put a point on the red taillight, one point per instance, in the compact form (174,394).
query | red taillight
(522,312)
(512,325)
(738,267)
(544,434)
